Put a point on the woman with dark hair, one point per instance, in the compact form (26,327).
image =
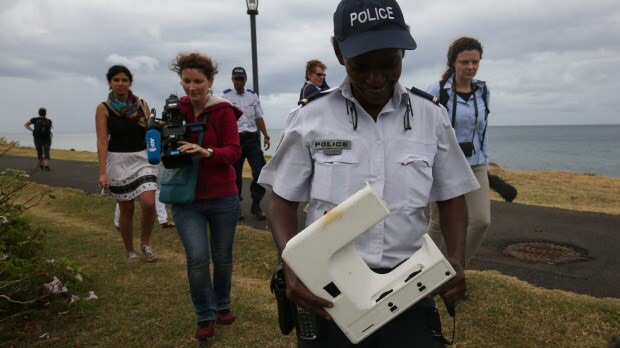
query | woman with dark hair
(467,101)
(121,123)
(216,204)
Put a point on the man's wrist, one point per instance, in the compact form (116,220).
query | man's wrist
(266,136)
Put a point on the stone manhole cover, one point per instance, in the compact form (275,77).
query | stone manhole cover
(543,252)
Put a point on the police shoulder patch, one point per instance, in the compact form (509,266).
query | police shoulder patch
(425,95)
(227,90)
(314,96)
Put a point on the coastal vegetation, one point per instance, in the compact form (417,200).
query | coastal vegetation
(31,285)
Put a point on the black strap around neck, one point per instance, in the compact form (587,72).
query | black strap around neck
(455,96)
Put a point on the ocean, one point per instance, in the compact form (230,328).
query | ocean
(593,149)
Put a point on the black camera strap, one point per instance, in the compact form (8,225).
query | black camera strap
(443,100)
(486,114)
(205,120)
(473,91)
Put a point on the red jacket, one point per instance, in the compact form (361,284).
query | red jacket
(216,175)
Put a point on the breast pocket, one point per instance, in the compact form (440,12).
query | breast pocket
(332,176)
(415,168)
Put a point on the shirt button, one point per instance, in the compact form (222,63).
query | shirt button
(378,177)
(376,250)
(378,142)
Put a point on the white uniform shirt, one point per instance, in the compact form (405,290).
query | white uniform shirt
(250,105)
(406,168)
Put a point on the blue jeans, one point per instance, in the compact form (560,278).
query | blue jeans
(192,219)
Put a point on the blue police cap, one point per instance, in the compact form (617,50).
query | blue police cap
(362,26)
(239,72)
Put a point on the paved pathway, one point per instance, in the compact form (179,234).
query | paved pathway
(597,234)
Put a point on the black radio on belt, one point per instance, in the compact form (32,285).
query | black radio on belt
(289,314)
(467,148)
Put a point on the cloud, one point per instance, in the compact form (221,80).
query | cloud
(551,62)
(143,63)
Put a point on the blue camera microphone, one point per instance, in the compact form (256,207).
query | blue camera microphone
(153,146)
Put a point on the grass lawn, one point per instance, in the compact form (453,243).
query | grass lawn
(146,304)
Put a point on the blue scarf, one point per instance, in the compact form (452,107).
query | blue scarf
(130,109)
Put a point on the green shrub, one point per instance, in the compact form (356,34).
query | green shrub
(29,283)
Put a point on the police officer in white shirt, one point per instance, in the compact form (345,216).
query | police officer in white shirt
(372,129)
(249,124)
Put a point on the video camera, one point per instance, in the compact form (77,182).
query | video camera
(163,135)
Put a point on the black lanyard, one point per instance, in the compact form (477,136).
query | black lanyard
(473,89)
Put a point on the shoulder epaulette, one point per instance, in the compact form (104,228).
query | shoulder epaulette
(314,96)
(251,91)
(227,90)
(425,95)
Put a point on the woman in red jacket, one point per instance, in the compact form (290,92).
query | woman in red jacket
(216,205)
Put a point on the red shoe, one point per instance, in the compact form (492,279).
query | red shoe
(206,330)
(225,317)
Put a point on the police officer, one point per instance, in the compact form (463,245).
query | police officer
(372,129)
(249,124)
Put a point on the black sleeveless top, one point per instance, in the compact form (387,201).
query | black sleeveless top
(125,136)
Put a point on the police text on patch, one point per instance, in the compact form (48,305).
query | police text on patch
(331,147)
(367,15)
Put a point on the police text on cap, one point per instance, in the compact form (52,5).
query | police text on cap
(367,15)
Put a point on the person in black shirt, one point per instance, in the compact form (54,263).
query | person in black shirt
(42,134)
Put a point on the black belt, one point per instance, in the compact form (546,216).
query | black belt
(247,135)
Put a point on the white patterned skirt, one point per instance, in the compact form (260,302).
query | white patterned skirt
(130,174)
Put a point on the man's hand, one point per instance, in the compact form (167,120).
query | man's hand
(266,143)
(297,292)
(452,292)
(453,220)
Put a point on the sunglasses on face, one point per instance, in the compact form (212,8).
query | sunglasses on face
(320,74)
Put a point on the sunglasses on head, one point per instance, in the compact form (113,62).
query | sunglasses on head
(320,74)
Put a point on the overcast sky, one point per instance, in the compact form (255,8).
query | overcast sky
(546,62)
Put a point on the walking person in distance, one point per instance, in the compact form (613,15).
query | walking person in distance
(251,124)
(42,134)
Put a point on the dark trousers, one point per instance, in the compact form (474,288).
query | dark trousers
(409,329)
(43,147)
(251,149)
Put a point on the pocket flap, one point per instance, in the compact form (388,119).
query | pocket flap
(347,156)
(415,159)
(411,152)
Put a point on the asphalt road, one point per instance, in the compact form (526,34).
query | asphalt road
(596,235)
